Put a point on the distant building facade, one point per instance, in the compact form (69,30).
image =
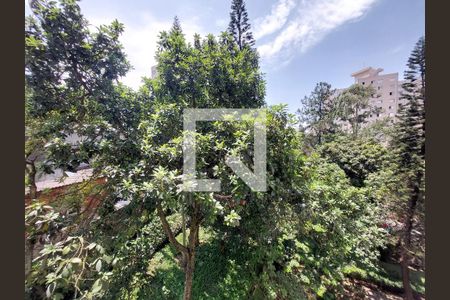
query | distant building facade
(388,91)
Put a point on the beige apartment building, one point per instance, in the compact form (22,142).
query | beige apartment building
(388,89)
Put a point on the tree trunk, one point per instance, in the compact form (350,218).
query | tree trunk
(168,231)
(31,171)
(189,275)
(183,222)
(29,244)
(405,277)
(184,256)
(193,241)
(187,252)
(197,239)
(406,239)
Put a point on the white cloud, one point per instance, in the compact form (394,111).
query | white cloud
(275,20)
(313,21)
(140,40)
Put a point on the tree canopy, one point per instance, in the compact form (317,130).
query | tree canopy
(322,211)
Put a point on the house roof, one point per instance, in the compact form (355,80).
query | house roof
(72,178)
(368,69)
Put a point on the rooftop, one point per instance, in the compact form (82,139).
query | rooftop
(367,71)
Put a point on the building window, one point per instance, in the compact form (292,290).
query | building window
(378,115)
(363,82)
(379,88)
(390,107)
(390,93)
(371,81)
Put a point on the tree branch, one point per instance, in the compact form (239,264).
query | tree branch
(168,231)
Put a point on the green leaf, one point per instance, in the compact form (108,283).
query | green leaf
(304,279)
(76,260)
(66,250)
(50,289)
(98,265)
(97,287)
(318,228)
(65,272)
(58,296)
(321,291)
(107,258)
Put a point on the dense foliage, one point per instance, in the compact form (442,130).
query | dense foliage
(354,107)
(409,144)
(357,157)
(318,114)
(322,213)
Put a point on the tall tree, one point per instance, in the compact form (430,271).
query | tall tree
(409,143)
(212,73)
(354,106)
(317,112)
(239,25)
(70,76)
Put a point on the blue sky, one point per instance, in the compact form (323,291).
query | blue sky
(301,42)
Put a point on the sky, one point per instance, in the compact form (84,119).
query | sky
(300,42)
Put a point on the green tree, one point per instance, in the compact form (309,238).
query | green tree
(239,26)
(338,227)
(354,106)
(308,225)
(71,83)
(409,144)
(380,130)
(209,74)
(70,77)
(357,157)
(127,137)
(318,113)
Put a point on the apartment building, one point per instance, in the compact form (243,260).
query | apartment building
(387,88)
